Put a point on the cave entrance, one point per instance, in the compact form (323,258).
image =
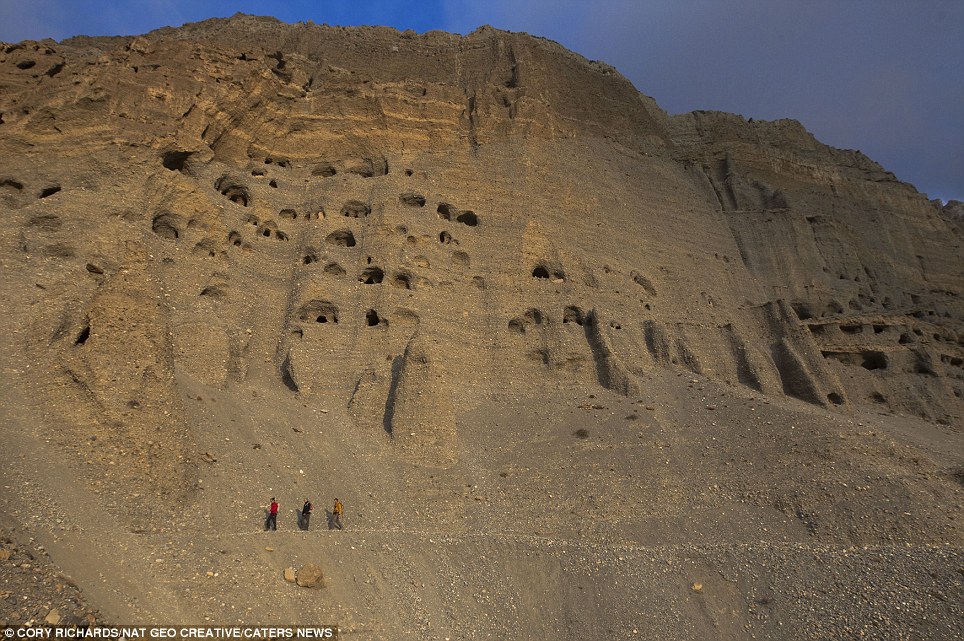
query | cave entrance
(371,276)
(341,238)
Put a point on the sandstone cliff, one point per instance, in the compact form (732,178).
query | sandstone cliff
(373,255)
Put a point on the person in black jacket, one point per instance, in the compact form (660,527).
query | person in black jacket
(306,513)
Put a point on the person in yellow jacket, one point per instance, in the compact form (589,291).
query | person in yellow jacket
(336,513)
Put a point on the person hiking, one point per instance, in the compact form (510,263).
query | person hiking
(306,513)
(272,520)
(336,513)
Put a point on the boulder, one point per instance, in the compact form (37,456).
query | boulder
(310,576)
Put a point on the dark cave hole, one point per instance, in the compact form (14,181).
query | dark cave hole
(446,211)
(175,160)
(541,271)
(371,276)
(572,314)
(874,360)
(319,311)
(372,319)
(165,225)
(802,311)
(233,191)
(341,238)
(324,170)
(355,209)
(468,218)
(412,199)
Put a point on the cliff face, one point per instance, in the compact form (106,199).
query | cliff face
(399,232)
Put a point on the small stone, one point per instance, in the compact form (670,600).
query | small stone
(697,587)
(53,617)
(289,575)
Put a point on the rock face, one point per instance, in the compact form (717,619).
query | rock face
(350,179)
(408,230)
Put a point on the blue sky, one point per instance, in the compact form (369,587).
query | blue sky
(882,76)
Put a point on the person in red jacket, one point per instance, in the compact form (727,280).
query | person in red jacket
(272,521)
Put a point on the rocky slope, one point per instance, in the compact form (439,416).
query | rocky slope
(562,355)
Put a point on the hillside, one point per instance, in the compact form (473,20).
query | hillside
(575,366)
